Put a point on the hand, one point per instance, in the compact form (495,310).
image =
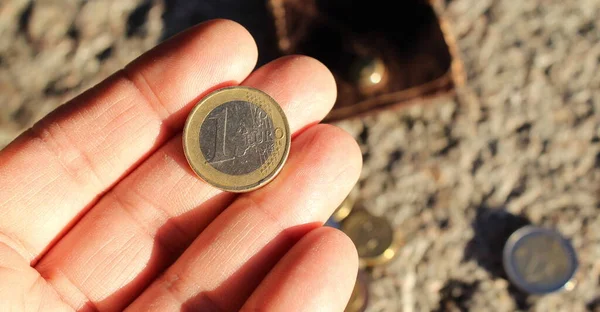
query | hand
(99,209)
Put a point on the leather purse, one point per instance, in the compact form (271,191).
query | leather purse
(383,54)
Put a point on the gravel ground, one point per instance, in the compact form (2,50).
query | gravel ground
(518,144)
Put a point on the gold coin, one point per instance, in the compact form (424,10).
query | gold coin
(373,237)
(343,210)
(360,295)
(236,139)
(370,74)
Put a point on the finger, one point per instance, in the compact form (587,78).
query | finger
(306,84)
(55,170)
(226,262)
(317,274)
(151,216)
(22,288)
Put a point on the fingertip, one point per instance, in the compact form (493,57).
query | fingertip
(215,50)
(233,32)
(303,86)
(317,71)
(341,150)
(342,247)
(351,151)
(318,273)
(315,79)
(336,255)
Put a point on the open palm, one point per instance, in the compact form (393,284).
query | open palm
(99,209)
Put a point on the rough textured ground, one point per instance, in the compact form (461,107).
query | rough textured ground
(520,143)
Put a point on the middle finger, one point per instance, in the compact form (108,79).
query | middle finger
(149,218)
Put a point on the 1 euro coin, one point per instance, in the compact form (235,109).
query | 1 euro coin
(237,139)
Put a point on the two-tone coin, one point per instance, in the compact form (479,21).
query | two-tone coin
(374,238)
(237,139)
(360,294)
(538,260)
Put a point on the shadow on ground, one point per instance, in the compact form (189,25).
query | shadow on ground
(492,228)
(456,296)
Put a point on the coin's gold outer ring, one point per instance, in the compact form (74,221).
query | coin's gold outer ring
(227,182)
(387,255)
(343,210)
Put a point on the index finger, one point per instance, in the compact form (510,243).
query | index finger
(52,173)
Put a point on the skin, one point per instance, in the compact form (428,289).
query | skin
(100,211)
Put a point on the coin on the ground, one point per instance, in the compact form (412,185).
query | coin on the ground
(343,210)
(237,139)
(360,294)
(369,73)
(538,260)
(373,236)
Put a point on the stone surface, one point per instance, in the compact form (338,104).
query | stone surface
(519,144)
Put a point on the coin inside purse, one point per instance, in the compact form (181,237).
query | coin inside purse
(382,53)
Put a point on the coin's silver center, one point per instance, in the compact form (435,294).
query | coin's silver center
(542,260)
(237,137)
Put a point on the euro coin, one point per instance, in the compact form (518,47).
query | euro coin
(538,260)
(374,238)
(236,139)
(369,73)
